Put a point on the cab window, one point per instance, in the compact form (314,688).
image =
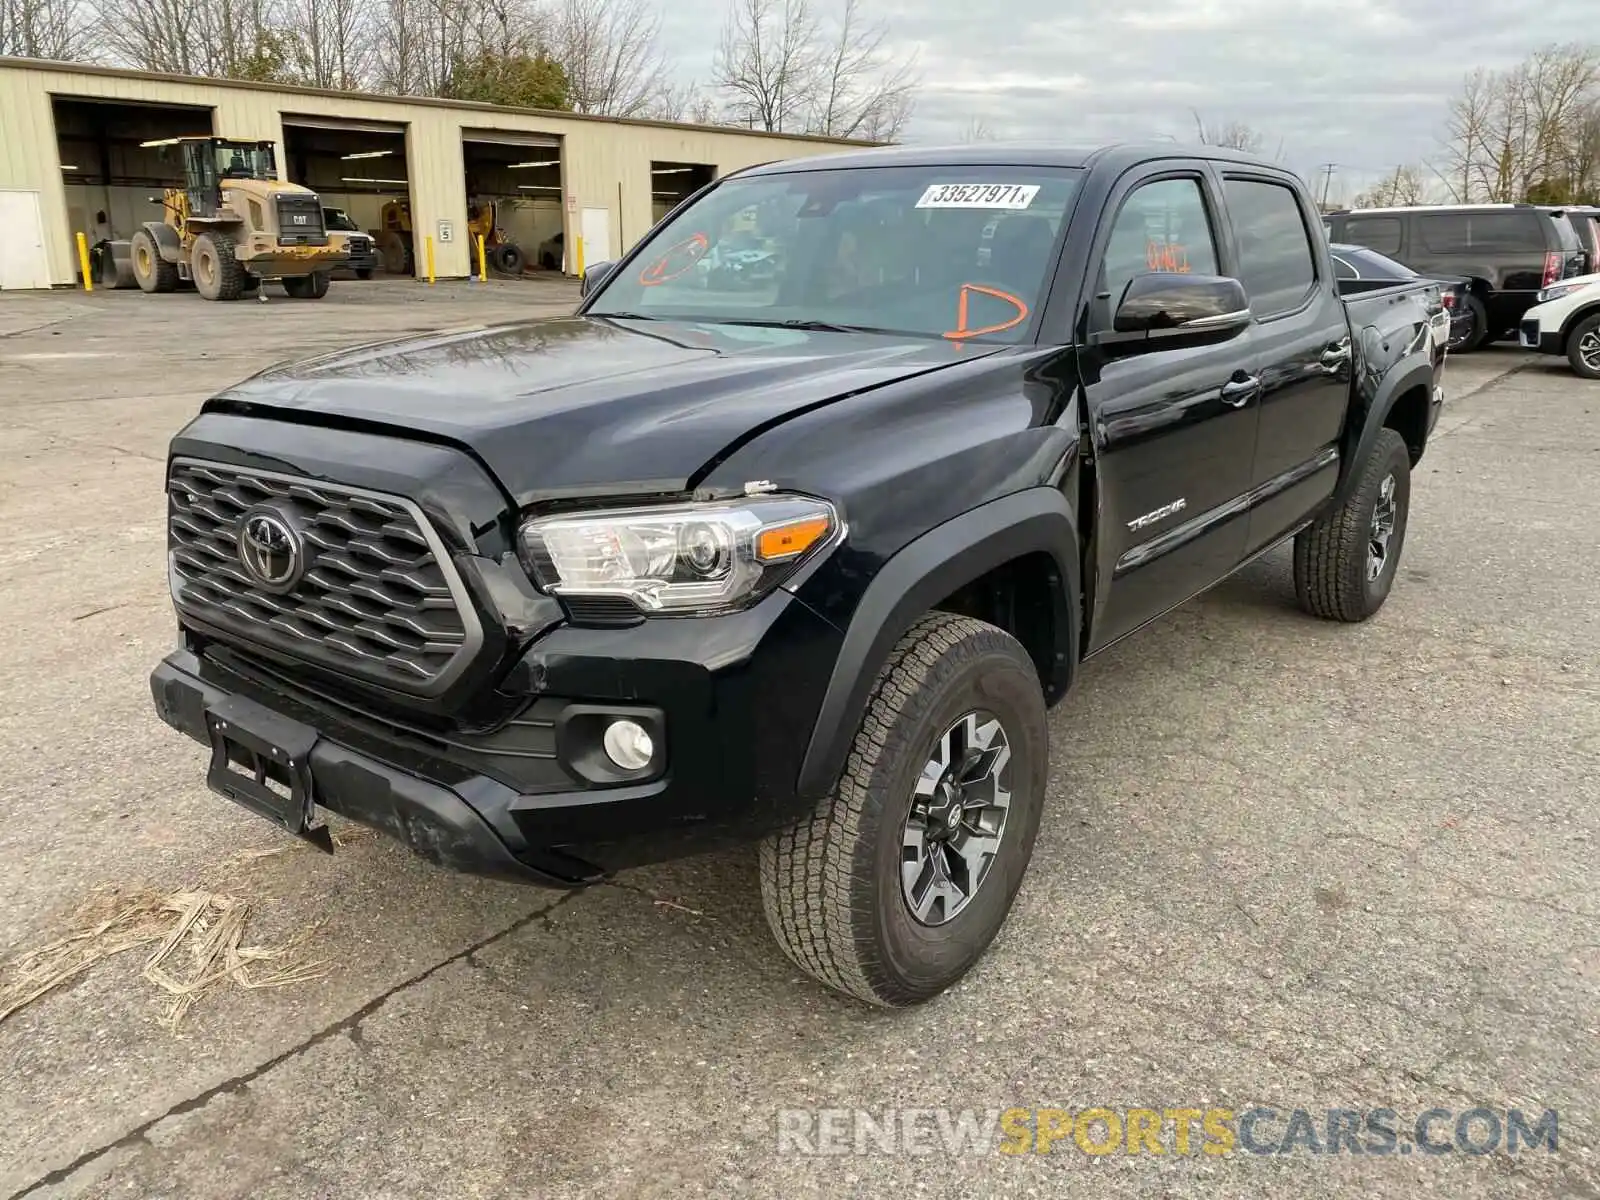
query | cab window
(1162,226)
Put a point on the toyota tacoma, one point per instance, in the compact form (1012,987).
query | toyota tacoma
(803,562)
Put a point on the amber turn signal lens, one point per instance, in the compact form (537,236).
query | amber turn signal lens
(786,541)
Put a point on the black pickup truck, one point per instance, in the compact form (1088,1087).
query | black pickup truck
(799,559)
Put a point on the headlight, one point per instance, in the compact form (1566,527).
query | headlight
(691,559)
(1555,293)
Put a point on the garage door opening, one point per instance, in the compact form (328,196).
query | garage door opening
(358,169)
(671,183)
(113,179)
(514,187)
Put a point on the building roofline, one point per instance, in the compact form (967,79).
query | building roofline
(294,89)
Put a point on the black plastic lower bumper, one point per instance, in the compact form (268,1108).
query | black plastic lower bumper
(432,818)
(729,702)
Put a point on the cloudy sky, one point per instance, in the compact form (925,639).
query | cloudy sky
(1362,83)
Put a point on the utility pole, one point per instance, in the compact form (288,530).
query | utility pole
(1327,179)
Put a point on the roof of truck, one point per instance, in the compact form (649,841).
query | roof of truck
(1022,154)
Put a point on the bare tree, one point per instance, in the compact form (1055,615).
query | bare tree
(57,29)
(1404,185)
(1235,135)
(860,87)
(1466,136)
(611,54)
(683,102)
(226,38)
(767,62)
(977,130)
(1526,131)
(330,42)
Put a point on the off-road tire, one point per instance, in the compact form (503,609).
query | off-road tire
(397,254)
(507,259)
(218,275)
(1331,555)
(1588,327)
(830,884)
(150,271)
(308,287)
(1480,327)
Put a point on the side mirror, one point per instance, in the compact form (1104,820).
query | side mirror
(1165,305)
(594,276)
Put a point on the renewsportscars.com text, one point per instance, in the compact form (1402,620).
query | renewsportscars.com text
(1175,1131)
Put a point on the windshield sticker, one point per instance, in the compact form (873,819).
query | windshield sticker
(679,259)
(963,329)
(979,195)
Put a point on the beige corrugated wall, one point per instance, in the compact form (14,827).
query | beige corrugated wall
(597,155)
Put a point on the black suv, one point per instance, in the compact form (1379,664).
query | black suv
(1508,251)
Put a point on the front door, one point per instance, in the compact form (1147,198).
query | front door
(1303,351)
(1172,428)
(23,263)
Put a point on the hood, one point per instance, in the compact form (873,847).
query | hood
(573,406)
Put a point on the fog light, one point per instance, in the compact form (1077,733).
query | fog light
(628,745)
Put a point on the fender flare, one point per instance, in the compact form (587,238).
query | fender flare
(165,238)
(1400,380)
(915,579)
(1586,309)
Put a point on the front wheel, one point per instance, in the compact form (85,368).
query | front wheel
(894,886)
(1583,347)
(1345,563)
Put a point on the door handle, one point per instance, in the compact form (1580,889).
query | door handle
(1238,390)
(1335,358)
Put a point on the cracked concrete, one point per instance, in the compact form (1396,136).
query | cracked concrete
(1284,863)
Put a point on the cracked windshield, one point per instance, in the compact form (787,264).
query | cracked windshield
(932,252)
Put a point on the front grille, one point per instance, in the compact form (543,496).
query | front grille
(300,221)
(374,598)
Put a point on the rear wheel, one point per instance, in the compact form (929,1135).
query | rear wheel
(150,271)
(1477,329)
(1345,563)
(893,888)
(217,273)
(1583,347)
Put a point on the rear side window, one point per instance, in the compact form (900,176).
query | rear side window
(1375,233)
(1566,235)
(1275,261)
(1482,232)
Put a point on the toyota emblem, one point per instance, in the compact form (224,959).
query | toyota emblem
(270,549)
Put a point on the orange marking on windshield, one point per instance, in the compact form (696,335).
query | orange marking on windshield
(1167,256)
(961,332)
(694,246)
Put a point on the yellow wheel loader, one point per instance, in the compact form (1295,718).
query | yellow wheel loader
(233,224)
(397,244)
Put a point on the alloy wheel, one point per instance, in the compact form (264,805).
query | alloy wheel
(1383,522)
(951,836)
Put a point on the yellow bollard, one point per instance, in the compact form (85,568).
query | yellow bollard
(83,261)
(430,260)
(483,262)
(578,255)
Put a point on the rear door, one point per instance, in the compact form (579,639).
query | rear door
(1303,352)
(1172,427)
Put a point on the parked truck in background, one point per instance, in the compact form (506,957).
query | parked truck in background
(802,564)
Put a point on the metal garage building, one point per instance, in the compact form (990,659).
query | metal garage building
(73,159)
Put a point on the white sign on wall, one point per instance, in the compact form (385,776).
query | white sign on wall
(447,231)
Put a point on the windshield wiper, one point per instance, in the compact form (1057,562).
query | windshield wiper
(624,316)
(814,326)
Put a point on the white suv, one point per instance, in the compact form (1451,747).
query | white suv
(1565,319)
